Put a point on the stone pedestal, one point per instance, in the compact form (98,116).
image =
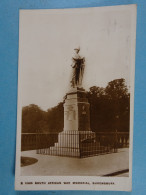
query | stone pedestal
(77,134)
(76,111)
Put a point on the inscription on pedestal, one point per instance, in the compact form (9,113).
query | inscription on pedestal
(83,110)
(70,119)
(70,115)
(84,117)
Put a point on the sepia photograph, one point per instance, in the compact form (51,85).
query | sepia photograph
(76,98)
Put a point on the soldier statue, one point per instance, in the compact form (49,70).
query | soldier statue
(78,69)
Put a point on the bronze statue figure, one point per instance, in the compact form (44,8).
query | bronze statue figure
(78,69)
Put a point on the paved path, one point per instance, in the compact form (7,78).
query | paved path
(123,175)
(68,166)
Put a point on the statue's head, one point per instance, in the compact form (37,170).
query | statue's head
(77,49)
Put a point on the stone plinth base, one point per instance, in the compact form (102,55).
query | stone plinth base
(74,143)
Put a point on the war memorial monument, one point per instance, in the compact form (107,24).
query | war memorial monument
(76,138)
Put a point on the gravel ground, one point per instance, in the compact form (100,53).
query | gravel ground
(68,166)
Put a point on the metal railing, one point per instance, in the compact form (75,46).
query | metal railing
(83,144)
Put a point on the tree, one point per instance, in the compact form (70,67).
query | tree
(116,89)
(55,117)
(33,119)
(119,100)
(109,107)
(97,91)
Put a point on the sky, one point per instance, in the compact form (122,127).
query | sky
(47,39)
